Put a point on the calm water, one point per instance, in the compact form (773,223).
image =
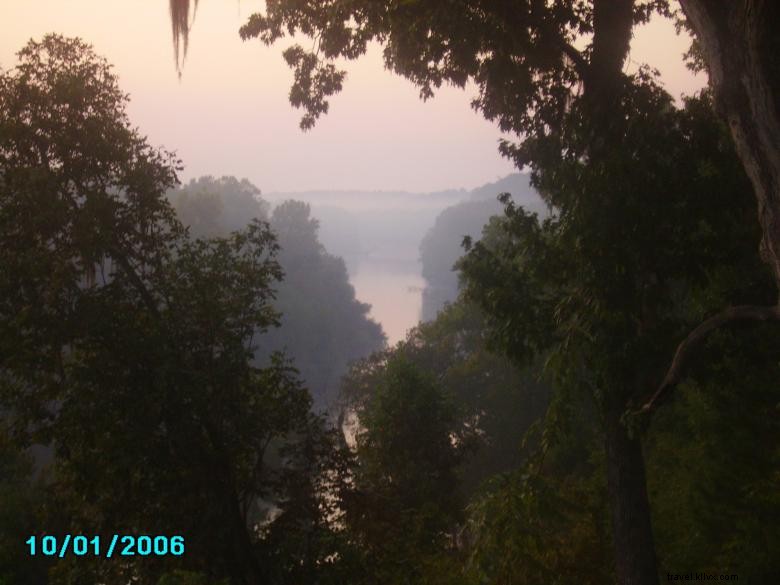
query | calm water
(394,295)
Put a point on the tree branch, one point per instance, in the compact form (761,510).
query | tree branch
(697,336)
(136,281)
(575,56)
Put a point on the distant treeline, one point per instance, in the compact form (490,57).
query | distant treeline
(322,326)
(442,244)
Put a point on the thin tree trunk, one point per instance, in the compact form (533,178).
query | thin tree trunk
(635,560)
(633,545)
(245,569)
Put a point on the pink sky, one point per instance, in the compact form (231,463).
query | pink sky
(229,114)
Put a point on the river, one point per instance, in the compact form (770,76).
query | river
(395,296)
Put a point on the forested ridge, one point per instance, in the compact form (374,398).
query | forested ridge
(440,248)
(322,326)
(591,395)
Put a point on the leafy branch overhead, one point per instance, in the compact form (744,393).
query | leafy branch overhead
(521,56)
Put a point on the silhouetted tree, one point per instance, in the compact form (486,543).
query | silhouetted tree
(323,326)
(128,346)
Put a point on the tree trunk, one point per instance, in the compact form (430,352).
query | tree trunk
(635,561)
(245,568)
(740,44)
(605,83)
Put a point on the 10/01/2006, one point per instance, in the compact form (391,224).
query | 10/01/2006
(119,545)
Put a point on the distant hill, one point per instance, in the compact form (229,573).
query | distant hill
(358,199)
(374,227)
(442,244)
(518,184)
(387,227)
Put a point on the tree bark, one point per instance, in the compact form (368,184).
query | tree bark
(635,560)
(605,81)
(740,43)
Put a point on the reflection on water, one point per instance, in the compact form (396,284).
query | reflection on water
(394,295)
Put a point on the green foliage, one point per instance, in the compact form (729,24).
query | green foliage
(19,492)
(713,459)
(77,185)
(404,443)
(530,529)
(604,316)
(496,403)
(404,503)
(128,347)
(323,327)
(438,415)
(605,309)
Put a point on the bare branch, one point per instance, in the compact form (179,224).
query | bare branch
(697,336)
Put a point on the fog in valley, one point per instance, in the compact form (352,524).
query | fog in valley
(302,292)
(380,236)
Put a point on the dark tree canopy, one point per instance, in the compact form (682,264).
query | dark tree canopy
(493,402)
(605,287)
(404,504)
(127,347)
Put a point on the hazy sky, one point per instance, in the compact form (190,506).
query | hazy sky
(229,113)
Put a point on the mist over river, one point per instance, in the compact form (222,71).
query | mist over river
(378,235)
(395,295)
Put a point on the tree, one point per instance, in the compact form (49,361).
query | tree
(127,346)
(738,43)
(404,505)
(441,246)
(713,459)
(19,516)
(322,326)
(215,207)
(437,416)
(522,57)
(494,403)
(603,314)
(536,83)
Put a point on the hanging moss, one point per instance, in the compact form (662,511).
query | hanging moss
(180,29)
